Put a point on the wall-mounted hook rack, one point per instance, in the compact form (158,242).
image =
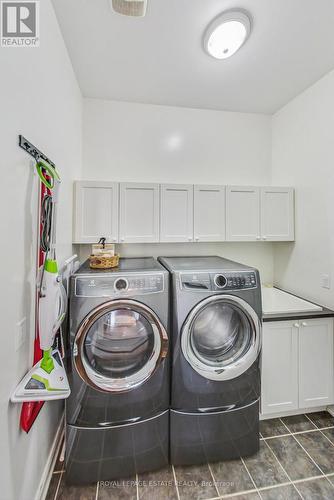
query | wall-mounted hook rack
(33,151)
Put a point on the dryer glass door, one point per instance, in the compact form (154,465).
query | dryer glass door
(221,337)
(119,345)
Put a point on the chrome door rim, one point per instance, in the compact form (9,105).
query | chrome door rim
(106,384)
(240,365)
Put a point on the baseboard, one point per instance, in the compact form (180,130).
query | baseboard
(299,411)
(330,410)
(50,463)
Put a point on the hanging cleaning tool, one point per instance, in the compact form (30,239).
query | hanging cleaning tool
(30,409)
(47,379)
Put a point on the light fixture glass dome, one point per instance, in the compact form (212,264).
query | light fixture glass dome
(227,33)
(135,8)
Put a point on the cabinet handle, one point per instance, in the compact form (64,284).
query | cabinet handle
(264,237)
(304,323)
(114,240)
(197,238)
(190,238)
(258,237)
(296,325)
(122,239)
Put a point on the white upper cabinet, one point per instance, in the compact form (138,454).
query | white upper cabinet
(242,213)
(279,367)
(277,214)
(139,213)
(95,211)
(132,212)
(209,213)
(316,362)
(176,212)
(262,214)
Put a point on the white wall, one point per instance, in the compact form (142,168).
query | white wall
(40,98)
(303,156)
(259,255)
(133,142)
(140,142)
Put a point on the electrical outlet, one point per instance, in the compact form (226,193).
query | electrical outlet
(325,281)
(20,333)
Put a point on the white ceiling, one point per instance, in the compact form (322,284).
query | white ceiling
(159,59)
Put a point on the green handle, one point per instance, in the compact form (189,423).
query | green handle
(47,361)
(40,166)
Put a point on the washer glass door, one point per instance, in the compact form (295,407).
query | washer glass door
(221,337)
(119,345)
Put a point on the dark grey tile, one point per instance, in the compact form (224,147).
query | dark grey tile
(59,466)
(272,427)
(319,448)
(264,468)
(287,492)
(297,423)
(329,433)
(66,492)
(121,489)
(55,479)
(159,484)
(293,458)
(195,482)
(231,476)
(316,489)
(247,496)
(322,419)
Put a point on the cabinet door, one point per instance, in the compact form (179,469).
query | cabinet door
(95,211)
(209,213)
(277,214)
(279,367)
(242,213)
(176,212)
(316,362)
(139,213)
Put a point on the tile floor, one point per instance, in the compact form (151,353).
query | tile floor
(295,461)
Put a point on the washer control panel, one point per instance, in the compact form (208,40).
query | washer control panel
(116,286)
(235,281)
(226,280)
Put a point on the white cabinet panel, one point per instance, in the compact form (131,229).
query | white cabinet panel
(209,213)
(316,362)
(277,214)
(279,367)
(139,213)
(176,212)
(242,213)
(95,211)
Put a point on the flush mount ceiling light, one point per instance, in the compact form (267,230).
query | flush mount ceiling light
(135,8)
(227,33)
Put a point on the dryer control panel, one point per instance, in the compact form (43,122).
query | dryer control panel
(218,281)
(121,285)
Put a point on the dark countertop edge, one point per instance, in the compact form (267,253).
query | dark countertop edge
(286,316)
(325,313)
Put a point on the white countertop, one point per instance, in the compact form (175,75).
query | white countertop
(275,301)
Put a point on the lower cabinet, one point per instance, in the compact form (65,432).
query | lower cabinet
(297,365)
(315,363)
(279,367)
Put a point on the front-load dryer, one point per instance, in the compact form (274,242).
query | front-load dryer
(117,415)
(216,328)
